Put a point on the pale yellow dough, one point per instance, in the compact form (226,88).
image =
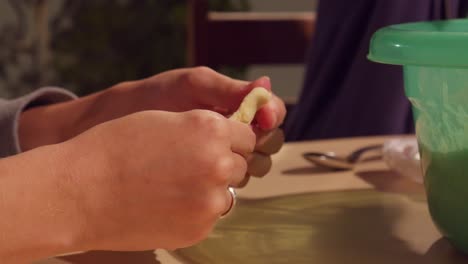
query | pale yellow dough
(257,98)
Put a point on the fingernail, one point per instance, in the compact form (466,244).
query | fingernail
(264,81)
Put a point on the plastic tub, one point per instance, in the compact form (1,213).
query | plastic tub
(434,56)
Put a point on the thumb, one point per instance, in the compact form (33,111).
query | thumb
(261,82)
(222,92)
(237,95)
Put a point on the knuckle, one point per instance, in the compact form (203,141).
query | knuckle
(221,168)
(215,126)
(217,129)
(195,116)
(196,76)
(211,123)
(202,70)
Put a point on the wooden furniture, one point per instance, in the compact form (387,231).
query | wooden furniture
(217,39)
(395,228)
(245,38)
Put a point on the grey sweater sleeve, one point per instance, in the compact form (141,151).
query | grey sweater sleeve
(10,111)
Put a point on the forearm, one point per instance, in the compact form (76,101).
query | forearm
(55,123)
(40,214)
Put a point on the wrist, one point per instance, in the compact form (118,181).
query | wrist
(69,225)
(56,123)
(59,122)
(86,112)
(40,126)
(40,198)
(69,176)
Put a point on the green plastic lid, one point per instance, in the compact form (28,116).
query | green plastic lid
(437,43)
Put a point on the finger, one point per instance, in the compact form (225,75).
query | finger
(271,115)
(220,203)
(244,182)
(227,93)
(269,142)
(258,164)
(240,170)
(247,110)
(218,90)
(243,138)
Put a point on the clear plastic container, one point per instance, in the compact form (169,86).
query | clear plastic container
(434,56)
(402,156)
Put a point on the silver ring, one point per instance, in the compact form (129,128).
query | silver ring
(233,201)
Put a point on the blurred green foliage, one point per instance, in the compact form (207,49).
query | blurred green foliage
(112,41)
(95,44)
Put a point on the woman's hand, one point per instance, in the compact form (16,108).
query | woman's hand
(156,179)
(152,179)
(175,91)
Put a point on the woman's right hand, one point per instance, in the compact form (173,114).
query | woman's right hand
(155,179)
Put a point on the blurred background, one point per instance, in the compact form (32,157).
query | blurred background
(86,46)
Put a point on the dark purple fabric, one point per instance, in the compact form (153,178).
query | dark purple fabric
(346,95)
